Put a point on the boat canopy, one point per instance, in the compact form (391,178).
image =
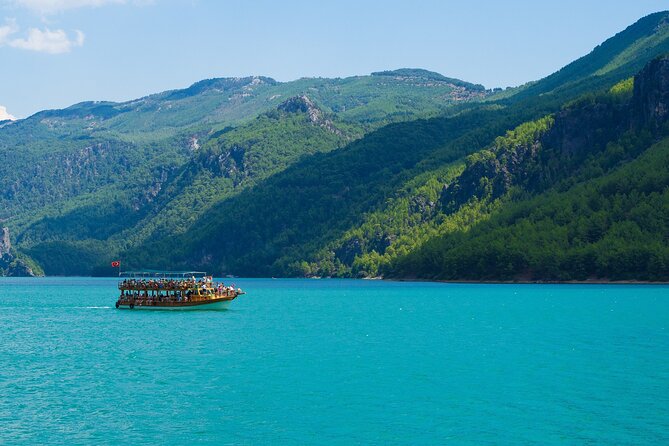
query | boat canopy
(151,274)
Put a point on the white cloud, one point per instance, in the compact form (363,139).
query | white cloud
(4,115)
(54,6)
(10,27)
(48,41)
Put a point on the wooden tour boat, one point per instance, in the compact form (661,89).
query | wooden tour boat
(162,290)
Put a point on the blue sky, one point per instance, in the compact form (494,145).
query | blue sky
(54,53)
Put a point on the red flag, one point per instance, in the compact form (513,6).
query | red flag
(116,264)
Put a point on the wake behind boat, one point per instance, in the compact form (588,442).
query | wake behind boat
(165,290)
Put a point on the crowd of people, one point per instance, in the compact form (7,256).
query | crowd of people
(205,284)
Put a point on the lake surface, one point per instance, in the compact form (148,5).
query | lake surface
(337,362)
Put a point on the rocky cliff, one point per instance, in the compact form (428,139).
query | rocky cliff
(5,244)
(651,94)
(538,155)
(10,264)
(302,104)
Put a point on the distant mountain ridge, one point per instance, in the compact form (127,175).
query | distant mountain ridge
(419,73)
(163,125)
(108,166)
(253,87)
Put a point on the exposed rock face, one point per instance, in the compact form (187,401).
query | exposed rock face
(302,104)
(422,206)
(88,167)
(353,247)
(651,93)
(349,250)
(585,127)
(5,244)
(9,264)
(231,163)
(15,268)
(576,132)
(476,180)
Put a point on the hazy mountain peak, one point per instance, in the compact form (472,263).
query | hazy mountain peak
(220,85)
(426,75)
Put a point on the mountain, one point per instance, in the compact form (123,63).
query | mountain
(62,154)
(407,237)
(98,177)
(401,174)
(581,194)
(360,210)
(418,75)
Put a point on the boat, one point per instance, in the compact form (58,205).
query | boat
(170,290)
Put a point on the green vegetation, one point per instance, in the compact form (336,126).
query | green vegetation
(424,75)
(60,154)
(289,215)
(623,87)
(403,173)
(612,227)
(102,177)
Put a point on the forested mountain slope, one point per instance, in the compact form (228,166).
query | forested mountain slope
(436,214)
(230,161)
(59,154)
(331,177)
(92,177)
(582,195)
(358,211)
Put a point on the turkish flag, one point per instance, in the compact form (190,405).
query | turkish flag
(116,264)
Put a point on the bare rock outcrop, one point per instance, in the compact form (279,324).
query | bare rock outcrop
(10,265)
(576,132)
(651,93)
(302,104)
(5,244)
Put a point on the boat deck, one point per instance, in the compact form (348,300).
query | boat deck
(174,293)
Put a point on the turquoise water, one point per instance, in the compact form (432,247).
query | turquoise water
(337,362)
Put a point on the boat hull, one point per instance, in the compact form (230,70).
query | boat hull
(218,305)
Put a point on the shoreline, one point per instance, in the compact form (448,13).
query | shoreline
(530,282)
(415,279)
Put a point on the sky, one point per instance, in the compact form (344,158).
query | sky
(54,53)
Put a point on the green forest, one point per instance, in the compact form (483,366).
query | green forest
(399,174)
